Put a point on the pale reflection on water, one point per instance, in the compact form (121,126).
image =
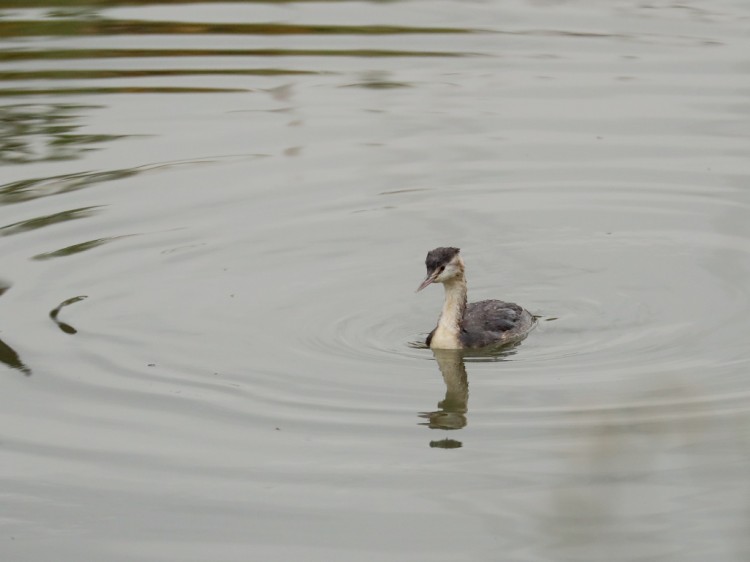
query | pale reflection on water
(629,460)
(635,468)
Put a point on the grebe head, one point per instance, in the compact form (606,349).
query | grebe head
(443,265)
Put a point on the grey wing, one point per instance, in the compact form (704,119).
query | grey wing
(494,323)
(492,316)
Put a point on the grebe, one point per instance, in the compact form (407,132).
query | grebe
(479,324)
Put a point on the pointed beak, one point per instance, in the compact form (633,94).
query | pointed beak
(428,280)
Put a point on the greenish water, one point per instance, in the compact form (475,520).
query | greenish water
(213,217)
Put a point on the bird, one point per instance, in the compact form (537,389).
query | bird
(470,326)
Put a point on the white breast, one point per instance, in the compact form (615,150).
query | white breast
(445,339)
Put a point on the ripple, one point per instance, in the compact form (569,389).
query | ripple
(74,54)
(45,132)
(67,328)
(93,74)
(48,220)
(111,27)
(35,188)
(10,357)
(77,248)
(19,92)
(639,282)
(4,286)
(337,336)
(362,337)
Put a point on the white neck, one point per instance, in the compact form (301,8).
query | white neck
(449,324)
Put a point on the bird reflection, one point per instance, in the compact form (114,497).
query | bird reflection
(8,355)
(451,412)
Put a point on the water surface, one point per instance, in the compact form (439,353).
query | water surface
(213,217)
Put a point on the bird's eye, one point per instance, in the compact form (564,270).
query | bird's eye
(441,269)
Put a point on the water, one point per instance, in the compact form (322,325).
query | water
(213,218)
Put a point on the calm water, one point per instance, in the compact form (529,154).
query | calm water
(213,218)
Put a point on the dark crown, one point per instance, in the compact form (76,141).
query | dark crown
(439,257)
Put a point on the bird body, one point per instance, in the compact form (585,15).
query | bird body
(470,326)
